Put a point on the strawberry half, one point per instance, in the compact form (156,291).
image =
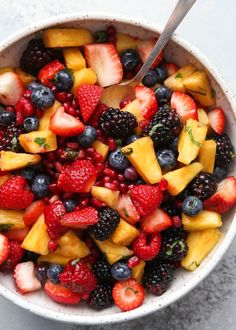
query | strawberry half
(25,278)
(80,219)
(4,248)
(88,98)
(127,210)
(155,222)
(105,61)
(33,212)
(63,124)
(217,120)
(14,257)
(61,295)
(53,214)
(171,68)
(144,49)
(11,88)
(148,101)
(47,73)
(184,105)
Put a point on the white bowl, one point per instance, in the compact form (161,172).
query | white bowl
(177,51)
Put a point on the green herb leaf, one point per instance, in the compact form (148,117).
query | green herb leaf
(118,142)
(41,141)
(154,128)
(179,75)
(126,212)
(213,92)
(5,227)
(14,143)
(71,154)
(128,152)
(188,129)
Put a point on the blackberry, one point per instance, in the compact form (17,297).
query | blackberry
(173,245)
(170,208)
(224,150)
(9,141)
(203,185)
(101,297)
(164,126)
(108,220)
(117,123)
(102,270)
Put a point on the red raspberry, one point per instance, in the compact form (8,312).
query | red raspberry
(14,257)
(147,247)
(53,214)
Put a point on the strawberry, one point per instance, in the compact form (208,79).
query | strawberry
(11,88)
(47,73)
(17,234)
(105,61)
(144,49)
(33,212)
(24,277)
(63,124)
(15,254)
(217,120)
(147,247)
(94,119)
(146,198)
(80,219)
(155,222)
(80,176)
(148,101)
(61,295)
(128,294)
(224,198)
(88,98)
(15,194)
(53,214)
(4,248)
(127,210)
(184,105)
(171,68)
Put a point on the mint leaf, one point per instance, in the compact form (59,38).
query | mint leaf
(71,154)
(128,152)
(213,92)
(179,75)
(154,128)
(188,129)
(41,141)
(126,213)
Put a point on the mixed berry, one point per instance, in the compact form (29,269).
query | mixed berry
(102,199)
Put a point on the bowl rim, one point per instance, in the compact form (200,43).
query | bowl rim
(145,309)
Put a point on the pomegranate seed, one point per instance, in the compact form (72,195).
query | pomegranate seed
(38,113)
(130,186)
(52,246)
(53,188)
(99,133)
(46,200)
(66,106)
(67,195)
(98,184)
(163,184)
(116,182)
(54,89)
(133,261)
(51,156)
(74,103)
(98,157)
(111,30)
(50,172)
(123,103)
(70,96)
(112,144)
(10,108)
(48,164)
(72,145)
(110,172)
(61,96)
(81,154)
(90,151)
(19,118)
(99,167)
(176,221)
(106,179)
(27,93)
(71,111)
(97,203)
(56,175)
(111,186)
(123,188)
(61,140)
(84,202)
(121,177)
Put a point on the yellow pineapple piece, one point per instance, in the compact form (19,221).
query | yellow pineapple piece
(67,37)
(101,148)
(38,141)
(37,238)
(203,117)
(142,156)
(10,161)
(84,76)
(135,108)
(25,77)
(112,251)
(190,141)
(125,41)
(4,178)
(176,81)
(207,155)
(12,219)
(53,258)
(6,69)
(47,114)
(124,234)
(200,243)
(74,59)
(138,271)
(108,196)
(203,220)
(180,178)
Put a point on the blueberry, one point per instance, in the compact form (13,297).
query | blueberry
(131,174)
(166,158)
(120,271)
(41,272)
(28,173)
(130,59)
(40,185)
(53,273)
(6,118)
(174,145)
(87,137)
(118,160)
(192,205)
(163,95)
(131,139)
(64,80)
(70,204)
(220,173)
(150,79)
(42,97)
(33,85)
(162,73)
(31,124)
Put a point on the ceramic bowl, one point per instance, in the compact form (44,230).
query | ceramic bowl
(180,52)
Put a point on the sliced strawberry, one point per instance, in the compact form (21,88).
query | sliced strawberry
(33,212)
(80,219)
(11,88)
(105,61)
(155,222)
(61,295)
(25,278)
(171,68)
(127,210)
(128,295)
(217,120)
(53,214)
(47,73)
(148,101)
(65,125)
(17,234)
(145,47)
(224,198)
(184,105)
(4,248)
(14,257)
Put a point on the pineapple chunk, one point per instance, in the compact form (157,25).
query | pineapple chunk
(54,38)
(10,161)
(6,69)
(10,219)
(108,196)
(124,41)
(47,114)
(37,238)
(200,243)
(101,148)
(134,108)
(176,81)
(180,178)
(74,59)
(112,251)
(38,141)
(138,271)
(201,221)
(84,76)
(203,118)
(124,234)
(53,258)
(147,167)
(4,178)
(207,155)
(190,141)
(26,78)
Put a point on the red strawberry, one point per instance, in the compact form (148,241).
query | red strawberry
(53,214)
(224,198)
(144,49)
(105,61)
(127,210)
(15,194)
(155,222)
(146,198)
(94,119)
(11,88)
(15,254)
(148,102)
(147,247)
(88,98)
(47,73)
(33,212)
(17,234)
(24,277)
(80,219)
(61,295)
(4,248)
(217,120)
(80,176)
(171,68)
(128,294)
(184,105)
(63,124)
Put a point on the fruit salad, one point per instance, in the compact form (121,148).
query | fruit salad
(105,203)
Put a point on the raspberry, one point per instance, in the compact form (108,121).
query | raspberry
(16,253)
(101,297)
(53,214)
(145,247)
